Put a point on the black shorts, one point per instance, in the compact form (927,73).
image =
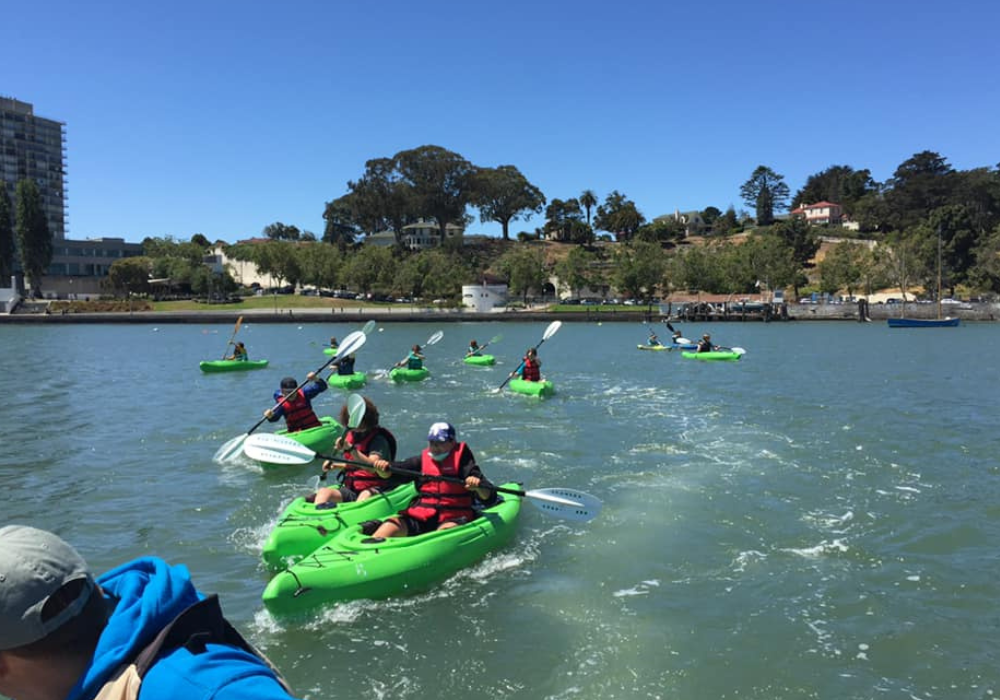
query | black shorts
(418,527)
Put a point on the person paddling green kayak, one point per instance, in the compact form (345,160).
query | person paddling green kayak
(239,353)
(295,404)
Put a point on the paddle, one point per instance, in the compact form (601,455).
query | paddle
(738,351)
(356,408)
(430,341)
(236,329)
(552,329)
(651,334)
(679,340)
(494,339)
(234,446)
(569,504)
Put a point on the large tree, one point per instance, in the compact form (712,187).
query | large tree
(282,232)
(640,267)
(524,268)
(564,219)
(341,228)
(803,238)
(33,235)
(840,184)
(619,215)
(920,184)
(588,200)
(382,199)
(765,191)
(575,271)
(8,250)
(441,183)
(503,194)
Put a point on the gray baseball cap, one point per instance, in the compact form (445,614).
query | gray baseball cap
(34,564)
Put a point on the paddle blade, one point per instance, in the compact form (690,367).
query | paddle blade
(230,449)
(739,351)
(434,338)
(368,327)
(568,504)
(356,408)
(277,449)
(552,330)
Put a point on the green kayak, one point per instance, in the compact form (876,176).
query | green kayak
(480,360)
(301,527)
(404,374)
(540,389)
(329,351)
(353,566)
(713,355)
(231,365)
(318,439)
(347,381)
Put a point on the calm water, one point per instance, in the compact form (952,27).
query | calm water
(819,520)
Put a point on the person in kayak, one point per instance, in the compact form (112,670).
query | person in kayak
(474,349)
(677,338)
(439,505)
(368,443)
(333,343)
(654,340)
(414,360)
(296,404)
(705,344)
(531,367)
(68,635)
(239,353)
(346,366)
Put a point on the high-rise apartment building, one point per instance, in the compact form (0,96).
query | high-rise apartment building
(34,147)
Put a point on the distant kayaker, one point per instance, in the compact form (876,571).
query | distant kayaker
(65,633)
(705,344)
(296,404)
(531,367)
(653,339)
(346,366)
(474,349)
(239,353)
(414,360)
(334,343)
(368,443)
(439,505)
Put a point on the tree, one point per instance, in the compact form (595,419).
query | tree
(765,191)
(842,268)
(763,259)
(840,184)
(986,272)
(588,200)
(920,184)
(382,199)
(562,219)
(524,268)
(321,264)
(575,271)
(130,275)
(441,183)
(370,268)
(726,223)
(280,232)
(711,214)
(904,263)
(8,251)
(503,194)
(619,215)
(341,228)
(640,267)
(201,241)
(802,238)
(33,236)
(663,230)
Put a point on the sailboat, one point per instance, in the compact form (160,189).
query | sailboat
(947,322)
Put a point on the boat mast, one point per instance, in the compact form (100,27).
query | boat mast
(939,273)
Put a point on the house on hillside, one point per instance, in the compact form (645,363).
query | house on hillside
(419,235)
(821,213)
(694,224)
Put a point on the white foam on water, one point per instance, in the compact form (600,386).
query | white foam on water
(819,550)
(642,588)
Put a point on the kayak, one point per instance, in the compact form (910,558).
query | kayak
(403,374)
(480,360)
(685,346)
(231,365)
(347,381)
(653,347)
(353,565)
(318,439)
(301,527)
(714,355)
(541,389)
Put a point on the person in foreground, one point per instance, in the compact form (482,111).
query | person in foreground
(531,367)
(474,349)
(439,504)
(296,404)
(414,360)
(705,344)
(66,636)
(368,443)
(239,353)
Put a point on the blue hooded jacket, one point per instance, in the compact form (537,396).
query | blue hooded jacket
(150,594)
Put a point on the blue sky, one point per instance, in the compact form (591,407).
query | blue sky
(221,117)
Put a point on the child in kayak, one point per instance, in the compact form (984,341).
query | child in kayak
(369,443)
(531,367)
(705,344)
(474,349)
(439,504)
(296,404)
(653,341)
(239,353)
(414,360)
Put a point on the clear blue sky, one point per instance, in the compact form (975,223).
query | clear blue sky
(220,117)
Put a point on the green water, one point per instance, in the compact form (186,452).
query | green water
(818,520)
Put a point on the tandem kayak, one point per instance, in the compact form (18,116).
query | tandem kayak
(654,347)
(542,389)
(231,365)
(318,439)
(353,565)
(404,374)
(347,381)
(480,360)
(302,527)
(714,355)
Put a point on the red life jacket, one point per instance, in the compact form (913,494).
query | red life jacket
(450,501)
(298,413)
(531,372)
(357,480)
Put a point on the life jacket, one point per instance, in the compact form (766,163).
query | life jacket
(346,366)
(198,625)
(414,362)
(447,499)
(298,413)
(531,372)
(358,480)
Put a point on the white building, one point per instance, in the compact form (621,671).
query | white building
(484,298)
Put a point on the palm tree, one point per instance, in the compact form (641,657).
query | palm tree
(588,200)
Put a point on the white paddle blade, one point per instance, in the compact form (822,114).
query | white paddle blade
(277,449)
(368,327)
(552,329)
(568,504)
(682,341)
(739,351)
(435,338)
(229,450)
(356,408)
(352,343)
